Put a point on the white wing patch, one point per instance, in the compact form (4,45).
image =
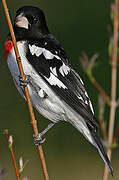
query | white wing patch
(81,80)
(79,97)
(64,69)
(35,50)
(53,70)
(90,104)
(53,80)
(41,93)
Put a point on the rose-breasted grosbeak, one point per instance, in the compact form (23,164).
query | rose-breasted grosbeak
(56,90)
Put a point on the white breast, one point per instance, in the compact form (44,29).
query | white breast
(12,64)
(50,107)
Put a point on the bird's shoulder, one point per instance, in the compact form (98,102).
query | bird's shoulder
(51,44)
(45,54)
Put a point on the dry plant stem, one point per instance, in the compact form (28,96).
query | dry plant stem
(12,155)
(113,86)
(116,134)
(103,128)
(107,100)
(30,108)
(102,92)
(101,116)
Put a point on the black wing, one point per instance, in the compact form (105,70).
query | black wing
(50,61)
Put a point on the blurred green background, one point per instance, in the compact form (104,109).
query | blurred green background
(79,25)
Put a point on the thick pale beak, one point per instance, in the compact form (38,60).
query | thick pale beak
(21,21)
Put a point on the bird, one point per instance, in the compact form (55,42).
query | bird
(56,90)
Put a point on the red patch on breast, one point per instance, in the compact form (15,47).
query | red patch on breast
(8,48)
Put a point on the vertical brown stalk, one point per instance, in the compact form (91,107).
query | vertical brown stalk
(113,85)
(12,155)
(30,108)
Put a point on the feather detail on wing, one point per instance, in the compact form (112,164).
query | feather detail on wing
(62,79)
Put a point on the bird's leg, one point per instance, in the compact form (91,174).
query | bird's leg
(25,82)
(38,140)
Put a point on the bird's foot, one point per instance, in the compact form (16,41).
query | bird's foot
(25,82)
(38,140)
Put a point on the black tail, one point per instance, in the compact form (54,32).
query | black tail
(102,151)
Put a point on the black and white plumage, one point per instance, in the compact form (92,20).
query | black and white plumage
(56,90)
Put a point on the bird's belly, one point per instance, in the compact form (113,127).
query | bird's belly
(49,106)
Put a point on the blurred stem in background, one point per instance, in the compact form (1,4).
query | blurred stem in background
(88,66)
(10,142)
(101,103)
(113,102)
(22,165)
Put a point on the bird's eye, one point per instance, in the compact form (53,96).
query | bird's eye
(35,20)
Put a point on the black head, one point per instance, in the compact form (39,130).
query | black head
(30,23)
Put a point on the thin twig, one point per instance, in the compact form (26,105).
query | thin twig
(101,103)
(116,134)
(113,86)
(117,104)
(30,108)
(12,154)
(103,129)
(101,90)
(88,66)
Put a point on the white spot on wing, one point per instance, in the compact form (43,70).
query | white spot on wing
(35,50)
(53,80)
(64,69)
(47,54)
(61,70)
(81,81)
(90,104)
(86,102)
(53,70)
(86,94)
(41,93)
(79,97)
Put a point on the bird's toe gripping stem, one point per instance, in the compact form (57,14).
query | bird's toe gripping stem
(38,140)
(25,82)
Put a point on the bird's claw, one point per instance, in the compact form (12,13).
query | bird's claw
(25,82)
(38,140)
